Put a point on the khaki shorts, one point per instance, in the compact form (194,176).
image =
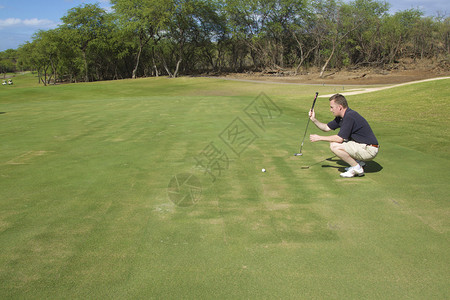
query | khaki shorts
(360,151)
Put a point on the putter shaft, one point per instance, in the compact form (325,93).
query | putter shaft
(306,129)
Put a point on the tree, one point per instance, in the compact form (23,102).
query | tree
(194,25)
(364,42)
(70,57)
(396,32)
(43,54)
(442,37)
(143,20)
(8,59)
(334,20)
(302,30)
(422,34)
(244,26)
(85,23)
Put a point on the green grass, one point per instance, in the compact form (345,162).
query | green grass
(85,209)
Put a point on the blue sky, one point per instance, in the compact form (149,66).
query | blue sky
(20,19)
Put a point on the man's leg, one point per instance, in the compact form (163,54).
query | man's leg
(355,169)
(339,150)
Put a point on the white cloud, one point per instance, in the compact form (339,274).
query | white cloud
(9,22)
(38,22)
(35,23)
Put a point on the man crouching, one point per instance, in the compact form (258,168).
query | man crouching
(355,142)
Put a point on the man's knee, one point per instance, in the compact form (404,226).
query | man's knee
(336,146)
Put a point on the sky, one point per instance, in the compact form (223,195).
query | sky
(20,19)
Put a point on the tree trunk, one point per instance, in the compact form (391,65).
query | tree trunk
(86,73)
(54,73)
(177,68)
(138,58)
(45,76)
(328,60)
(166,67)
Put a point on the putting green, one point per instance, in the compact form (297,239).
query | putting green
(152,188)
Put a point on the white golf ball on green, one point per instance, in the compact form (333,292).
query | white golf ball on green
(263,170)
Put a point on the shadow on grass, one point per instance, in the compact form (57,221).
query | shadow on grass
(371,166)
(2,112)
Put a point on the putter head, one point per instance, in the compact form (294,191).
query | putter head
(305,167)
(298,154)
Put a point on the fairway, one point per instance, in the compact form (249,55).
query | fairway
(152,188)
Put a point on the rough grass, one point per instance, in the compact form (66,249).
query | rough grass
(86,212)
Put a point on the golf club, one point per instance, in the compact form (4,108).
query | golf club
(306,129)
(307,167)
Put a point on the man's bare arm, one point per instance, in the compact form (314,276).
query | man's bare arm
(331,138)
(322,126)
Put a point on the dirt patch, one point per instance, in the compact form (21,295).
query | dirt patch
(404,71)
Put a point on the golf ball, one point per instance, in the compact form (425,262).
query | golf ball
(263,170)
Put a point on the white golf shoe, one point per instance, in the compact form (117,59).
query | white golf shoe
(353,171)
(360,162)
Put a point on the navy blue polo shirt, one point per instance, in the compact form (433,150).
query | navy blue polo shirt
(354,128)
